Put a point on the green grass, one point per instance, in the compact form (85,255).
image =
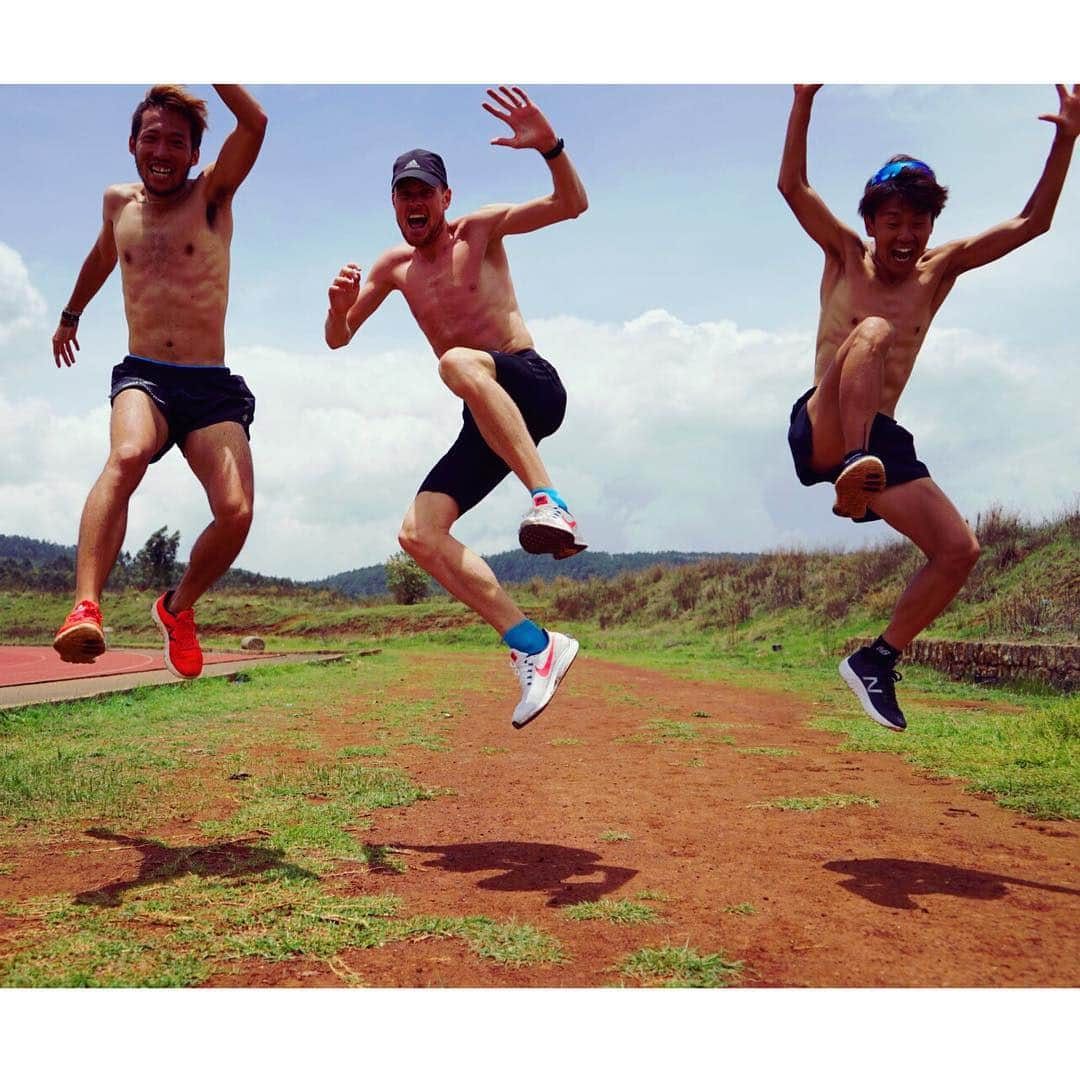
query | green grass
(612,836)
(620,912)
(767,751)
(740,909)
(816,802)
(681,966)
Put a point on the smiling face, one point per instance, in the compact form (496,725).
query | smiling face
(163,152)
(420,210)
(900,232)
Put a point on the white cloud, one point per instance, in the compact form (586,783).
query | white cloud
(674,439)
(21,305)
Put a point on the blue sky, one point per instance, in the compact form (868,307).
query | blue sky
(680,311)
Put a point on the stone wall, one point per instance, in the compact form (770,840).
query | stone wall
(994,661)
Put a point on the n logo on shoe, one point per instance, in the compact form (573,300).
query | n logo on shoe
(871,684)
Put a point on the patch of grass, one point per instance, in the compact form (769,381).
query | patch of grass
(311,810)
(740,909)
(667,730)
(653,894)
(695,763)
(493,750)
(620,912)
(816,802)
(513,944)
(568,741)
(681,966)
(364,751)
(768,751)
(611,836)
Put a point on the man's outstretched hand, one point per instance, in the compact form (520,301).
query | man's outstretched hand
(531,128)
(1067,119)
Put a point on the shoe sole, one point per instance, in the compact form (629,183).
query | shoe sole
(561,669)
(857,485)
(81,644)
(859,690)
(570,552)
(165,636)
(545,540)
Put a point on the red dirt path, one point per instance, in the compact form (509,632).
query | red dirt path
(931,887)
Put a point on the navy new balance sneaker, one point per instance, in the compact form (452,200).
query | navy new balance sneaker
(872,679)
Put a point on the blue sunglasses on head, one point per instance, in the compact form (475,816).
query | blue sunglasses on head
(887,172)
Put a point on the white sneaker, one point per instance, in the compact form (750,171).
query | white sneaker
(549,530)
(540,675)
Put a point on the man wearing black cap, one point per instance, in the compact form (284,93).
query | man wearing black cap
(455,277)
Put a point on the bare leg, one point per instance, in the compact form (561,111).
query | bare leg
(846,401)
(425,535)
(137,431)
(923,513)
(470,374)
(220,457)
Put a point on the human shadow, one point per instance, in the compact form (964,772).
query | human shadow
(233,859)
(526,867)
(893,882)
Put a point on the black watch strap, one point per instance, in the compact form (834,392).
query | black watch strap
(554,152)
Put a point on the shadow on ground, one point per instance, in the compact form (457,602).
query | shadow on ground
(893,882)
(160,862)
(526,867)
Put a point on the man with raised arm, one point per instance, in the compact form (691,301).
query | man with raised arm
(455,277)
(171,236)
(877,302)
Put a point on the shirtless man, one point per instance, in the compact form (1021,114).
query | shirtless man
(171,236)
(455,277)
(877,302)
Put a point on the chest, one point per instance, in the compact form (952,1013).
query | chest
(463,272)
(150,239)
(909,305)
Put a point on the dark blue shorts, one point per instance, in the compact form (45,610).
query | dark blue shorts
(890,442)
(190,396)
(470,470)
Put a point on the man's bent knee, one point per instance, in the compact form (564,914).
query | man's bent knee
(460,368)
(959,555)
(234,515)
(417,542)
(130,461)
(875,333)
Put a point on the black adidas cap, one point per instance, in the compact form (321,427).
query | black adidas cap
(420,165)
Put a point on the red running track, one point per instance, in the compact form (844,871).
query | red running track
(23,664)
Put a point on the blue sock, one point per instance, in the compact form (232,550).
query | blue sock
(552,494)
(526,637)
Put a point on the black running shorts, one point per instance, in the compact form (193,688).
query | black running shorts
(890,442)
(190,396)
(470,469)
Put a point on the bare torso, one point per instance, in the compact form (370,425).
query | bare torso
(459,289)
(174,263)
(856,289)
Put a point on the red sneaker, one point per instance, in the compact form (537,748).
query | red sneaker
(183,657)
(81,640)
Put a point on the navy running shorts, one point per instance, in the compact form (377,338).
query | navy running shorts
(190,396)
(890,442)
(470,470)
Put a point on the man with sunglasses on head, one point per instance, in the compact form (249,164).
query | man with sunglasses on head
(455,277)
(877,302)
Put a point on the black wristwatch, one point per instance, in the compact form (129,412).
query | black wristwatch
(554,152)
(69,318)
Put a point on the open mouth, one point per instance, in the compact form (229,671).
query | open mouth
(903,255)
(416,221)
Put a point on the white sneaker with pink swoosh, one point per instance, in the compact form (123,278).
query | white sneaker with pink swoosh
(540,675)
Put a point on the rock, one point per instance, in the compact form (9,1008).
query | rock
(252,644)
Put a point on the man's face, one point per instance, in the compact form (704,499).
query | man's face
(420,210)
(900,233)
(163,153)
